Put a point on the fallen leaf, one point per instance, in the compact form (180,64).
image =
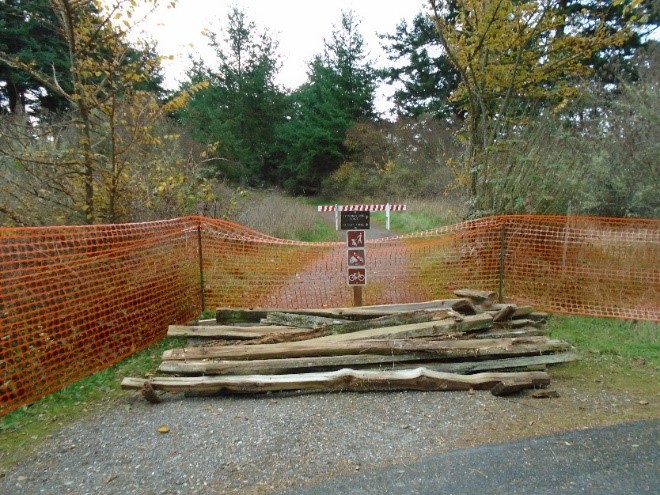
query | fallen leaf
(163,429)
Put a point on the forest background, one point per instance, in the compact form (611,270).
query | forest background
(543,106)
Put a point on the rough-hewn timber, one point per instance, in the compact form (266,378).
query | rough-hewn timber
(255,315)
(230,331)
(325,363)
(345,380)
(447,349)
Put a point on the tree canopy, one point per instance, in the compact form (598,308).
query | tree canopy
(499,99)
(238,113)
(339,92)
(424,76)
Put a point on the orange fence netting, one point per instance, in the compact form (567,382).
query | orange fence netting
(74,300)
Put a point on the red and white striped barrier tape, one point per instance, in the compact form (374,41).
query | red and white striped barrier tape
(323,208)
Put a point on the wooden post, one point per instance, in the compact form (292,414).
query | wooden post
(357,295)
(201,265)
(387,216)
(501,270)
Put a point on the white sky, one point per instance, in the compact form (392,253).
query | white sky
(299,25)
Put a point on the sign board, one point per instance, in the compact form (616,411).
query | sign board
(387,208)
(356,258)
(355,239)
(357,276)
(352,220)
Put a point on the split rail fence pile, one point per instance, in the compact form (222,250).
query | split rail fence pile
(74,300)
(457,344)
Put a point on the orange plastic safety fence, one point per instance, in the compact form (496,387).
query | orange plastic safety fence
(578,265)
(76,299)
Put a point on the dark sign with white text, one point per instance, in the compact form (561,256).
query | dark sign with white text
(354,220)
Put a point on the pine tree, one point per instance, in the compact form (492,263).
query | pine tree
(26,34)
(237,114)
(420,70)
(339,92)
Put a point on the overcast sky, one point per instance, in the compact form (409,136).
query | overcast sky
(299,25)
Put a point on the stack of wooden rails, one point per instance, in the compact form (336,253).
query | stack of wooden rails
(465,343)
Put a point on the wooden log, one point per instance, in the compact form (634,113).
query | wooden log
(448,349)
(342,380)
(419,316)
(328,363)
(462,305)
(284,365)
(417,330)
(511,386)
(255,315)
(520,323)
(538,316)
(239,315)
(278,337)
(229,331)
(522,311)
(529,363)
(505,313)
(518,313)
(300,320)
(477,296)
(499,333)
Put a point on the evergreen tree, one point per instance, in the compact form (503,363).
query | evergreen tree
(338,93)
(237,114)
(421,71)
(26,34)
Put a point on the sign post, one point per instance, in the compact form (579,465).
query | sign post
(355,220)
(356,256)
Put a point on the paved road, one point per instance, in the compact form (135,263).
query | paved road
(621,460)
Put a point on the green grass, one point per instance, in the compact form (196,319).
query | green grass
(22,429)
(408,221)
(618,355)
(422,215)
(323,232)
(632,340)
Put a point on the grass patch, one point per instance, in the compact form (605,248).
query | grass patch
(618,355)
(322,232)
(623,338)
(421,215)
(23,429)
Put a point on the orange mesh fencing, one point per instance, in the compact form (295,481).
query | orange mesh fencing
(74,300)
(578,265)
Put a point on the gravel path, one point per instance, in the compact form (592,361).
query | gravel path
(270,443)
